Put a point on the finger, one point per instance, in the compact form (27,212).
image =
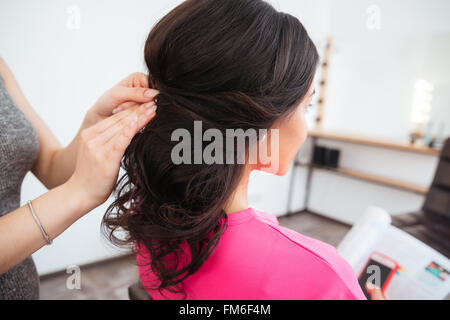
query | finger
(123,106)
(374,291)
(149,110)
(103,137)
(376,294)
(121,94)
(121,140)
(140,80)
(117,145)
(108,122)
(136,79)
(144,114)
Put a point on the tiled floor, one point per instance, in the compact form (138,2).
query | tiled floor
(105,280)
(110,279)
(316,226)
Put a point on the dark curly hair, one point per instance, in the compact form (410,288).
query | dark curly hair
(230,64)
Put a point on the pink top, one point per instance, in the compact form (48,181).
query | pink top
(258,259)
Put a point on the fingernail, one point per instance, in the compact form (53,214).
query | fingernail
(151,93)
(148,105)
(114,111)
(151,110)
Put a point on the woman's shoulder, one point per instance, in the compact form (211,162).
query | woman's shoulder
(306,260)
(292,239)
(266,217)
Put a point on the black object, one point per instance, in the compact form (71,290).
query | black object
(137,292)
(323,156)
(319,156)
(431,224)
(332,157)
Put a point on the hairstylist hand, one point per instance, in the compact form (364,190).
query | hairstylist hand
(80,176)
(101,149)
(123,95)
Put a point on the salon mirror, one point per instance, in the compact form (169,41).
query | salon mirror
(389,71)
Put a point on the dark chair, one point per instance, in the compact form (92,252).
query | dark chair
(137,292)
(431,224)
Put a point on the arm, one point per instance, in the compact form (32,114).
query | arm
(55,164)
(19,234)
(97,166)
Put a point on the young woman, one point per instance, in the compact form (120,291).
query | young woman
(235,64)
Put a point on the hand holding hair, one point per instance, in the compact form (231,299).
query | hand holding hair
(98,150)
(101,149)
(134,88)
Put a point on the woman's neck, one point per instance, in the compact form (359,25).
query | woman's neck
(239,201)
